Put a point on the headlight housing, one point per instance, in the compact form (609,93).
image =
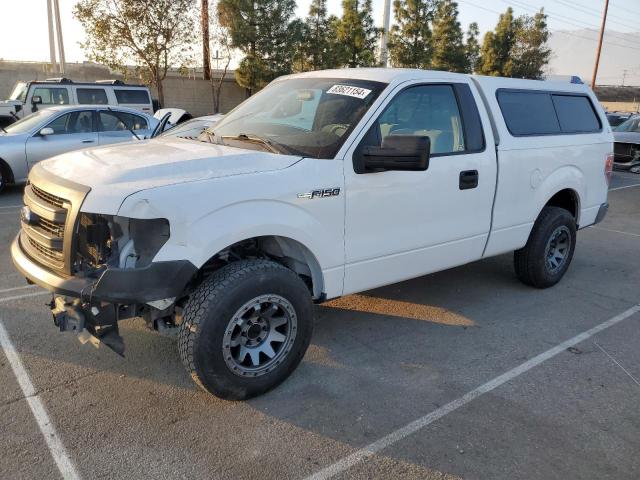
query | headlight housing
(119,242)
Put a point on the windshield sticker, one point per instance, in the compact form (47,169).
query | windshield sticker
(349,91)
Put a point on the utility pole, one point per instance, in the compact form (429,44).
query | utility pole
(624,76)
(204,24)
(384,37)
(52,40)
(56,6)
(595,67)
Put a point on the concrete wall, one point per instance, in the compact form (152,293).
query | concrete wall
(193,95)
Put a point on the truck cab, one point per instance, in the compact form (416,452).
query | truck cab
(323,184)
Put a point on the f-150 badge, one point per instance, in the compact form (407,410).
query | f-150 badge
(321,193)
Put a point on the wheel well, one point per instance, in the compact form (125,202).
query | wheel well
(286,251)
(567,199)
(6,170)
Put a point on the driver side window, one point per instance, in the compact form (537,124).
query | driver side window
(425,110)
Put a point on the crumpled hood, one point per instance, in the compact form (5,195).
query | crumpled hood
(114,172)
(626,137)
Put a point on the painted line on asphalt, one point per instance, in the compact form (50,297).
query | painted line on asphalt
(58,452)
(626,186)
(10,206)
(615,231)
(25,295)
(411,428)
(9,213)
(13,289)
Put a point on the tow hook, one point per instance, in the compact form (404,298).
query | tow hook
(95,324)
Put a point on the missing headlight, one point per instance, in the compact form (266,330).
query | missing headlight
(111,241)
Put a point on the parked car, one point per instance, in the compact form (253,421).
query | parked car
(627,146)
(616,118)
(56,130)
(322,184)
(191,129)
(29,97)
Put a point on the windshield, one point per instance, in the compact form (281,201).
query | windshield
(302,116)
(630,125)
(30,122)
(19,92)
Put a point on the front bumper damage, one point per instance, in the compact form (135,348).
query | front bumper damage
(94,305)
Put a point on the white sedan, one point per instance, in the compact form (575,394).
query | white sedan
(52,131)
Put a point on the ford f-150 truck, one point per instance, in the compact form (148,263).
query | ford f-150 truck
(323,184)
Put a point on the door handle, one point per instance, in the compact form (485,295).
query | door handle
(88,141)
(468,179)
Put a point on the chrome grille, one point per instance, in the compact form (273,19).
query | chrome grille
(43,232)
(47,197)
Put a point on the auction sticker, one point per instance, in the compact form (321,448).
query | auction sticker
(349,91)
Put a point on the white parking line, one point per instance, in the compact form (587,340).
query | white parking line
(422,422)
(26,295)
(6,290)
(58,452)
(10,206)
(626,186)
(615,231)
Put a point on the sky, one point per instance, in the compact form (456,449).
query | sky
(24,36)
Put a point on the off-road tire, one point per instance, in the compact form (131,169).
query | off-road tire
(209,311)
(530,262)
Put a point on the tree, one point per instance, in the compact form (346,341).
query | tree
(472,47)
(320,49)
(497,46)
(517,47)
(153,35)
(259,29)
(221,40)
(410,37)
(356,34)
(206,53)
(448,47)
(530,52)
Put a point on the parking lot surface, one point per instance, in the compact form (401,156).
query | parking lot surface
(480,361)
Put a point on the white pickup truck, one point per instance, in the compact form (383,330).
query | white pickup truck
(321,185)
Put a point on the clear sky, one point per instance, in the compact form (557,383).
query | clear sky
(24,36)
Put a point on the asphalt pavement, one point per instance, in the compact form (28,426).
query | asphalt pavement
(465,373)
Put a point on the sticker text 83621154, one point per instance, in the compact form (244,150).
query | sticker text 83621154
(349,91)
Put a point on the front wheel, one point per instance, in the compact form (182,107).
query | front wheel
(246,328)
(543,261)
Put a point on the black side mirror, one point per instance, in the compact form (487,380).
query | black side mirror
(398,152)
(35,101)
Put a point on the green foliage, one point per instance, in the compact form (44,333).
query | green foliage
(517,47)
(472,47)
(152,35)
(410,43)
(356,34)
(530,53)
(319,47)
(448,48)
(261,30)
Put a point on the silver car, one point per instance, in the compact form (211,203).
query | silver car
(627,145)
(52,131)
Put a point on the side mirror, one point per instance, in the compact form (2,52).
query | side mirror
(46,131)
(36,100)
(398,152)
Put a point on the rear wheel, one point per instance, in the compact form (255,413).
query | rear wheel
(246,328)
(3,178)
(546,257)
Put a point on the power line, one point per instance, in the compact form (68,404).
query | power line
(595,13)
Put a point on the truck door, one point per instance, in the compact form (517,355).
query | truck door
(403,224)
(69,131)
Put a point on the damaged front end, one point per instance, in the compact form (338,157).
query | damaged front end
(99,267)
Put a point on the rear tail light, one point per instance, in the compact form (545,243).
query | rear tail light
(608,168)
